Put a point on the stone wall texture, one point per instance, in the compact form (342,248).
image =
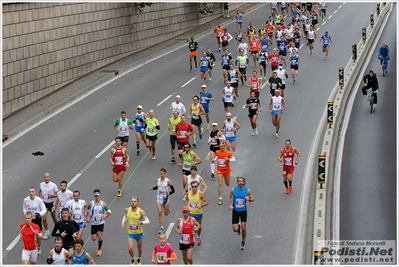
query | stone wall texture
(48,45)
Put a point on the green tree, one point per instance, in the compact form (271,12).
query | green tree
(206,8)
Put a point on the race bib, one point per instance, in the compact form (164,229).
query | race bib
(118,160)
(254,106)
(240,203)
(185,238)
(183,133)
(186,165)
(162,257)
(98,218)
(134,227)
(221,163)
(77,217)
(138,123)
(193,205)
(288,161)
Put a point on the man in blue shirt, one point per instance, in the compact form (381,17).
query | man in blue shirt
(205,98)
(384,54)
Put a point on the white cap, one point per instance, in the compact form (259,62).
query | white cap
(214,124)
(178,96)
(203,86)
(228,114)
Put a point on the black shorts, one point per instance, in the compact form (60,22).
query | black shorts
(125,139)
(234,84)
(214,148)
(68,245)
(226,67)
(180,145)
(272,92)
(49,206)
(295,67)
(297,45)
(224,44)
(97,228)
(252,113)
(185,247)
(263,64)
(310,41)
(197,122)
(173,141)
(151,137)
(38,221)
(274,67)
(185,172)
(282,87)
(254,52)
(306,32)
(237,215)
(243,70)
(282,53)
(314,22)
(227,104)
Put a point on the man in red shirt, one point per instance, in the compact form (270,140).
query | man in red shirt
(119,158)
(30,233)
(223,157)
(183,132)
(287,154)
(273,59)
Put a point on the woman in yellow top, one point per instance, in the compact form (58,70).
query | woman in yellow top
(195,201)
(196,111)
(151,130)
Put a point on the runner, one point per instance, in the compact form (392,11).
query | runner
(270,31)
(67,229)
(311,38)
(240,194)
(230,127)
(97,212)
(212,59)
(214,142)
(323,10)
(251,32)
(194,177)
(327,42)
(77,209)
(196,111)
(183,132)
(59,255)
(297,38)
(162,186)
(287,154)
(226,59)
(223,158)
(282,45)
(119,158)
(255,84)
(63,196)
(48,193)
(140,119)
(263,58)
(225,38)
(196,200)
(255,49)
(135,218)
(193,46)
(244,47)
(177,106)
(253,105)
(239,37)
(163,252)
(36,206)
(172,128)
(81,256)
(30,234)
(274,83)
(306,31)
(186,227)
(262,32)
(282,74)
(122,126)
(227,95)
(315,20)
(204,67)
(273,59)
(242,63)
(189,158)
(238,18)
(205,98)
(294,61)
(233,75)
(152,127)
(277,106)
(219,32)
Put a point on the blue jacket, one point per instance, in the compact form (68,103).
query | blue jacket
(384,53)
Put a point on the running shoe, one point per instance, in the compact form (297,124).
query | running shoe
(242,245)
(184,197)
(194,144)
(293,81)
(196,65)
(46,234)
(253,132)
(276,135)
(287,190)
(99,252)
(199,241)
(290,188)
(232,104)
(133,262)
(212,175)
(264,77)
(153,156)
(138,151)
(239,229)
(326,58)
(39,251)
(138,262)
(235,98)
(191,68)
(119,193)
(207,126)
(173,159)
(162,230)
(210,79)
(220,49)
(386,71)
(323,20)
(234,150)
(220,202)
(256,132)
(310,51)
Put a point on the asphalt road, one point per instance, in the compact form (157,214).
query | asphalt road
(368,178)
(73,141)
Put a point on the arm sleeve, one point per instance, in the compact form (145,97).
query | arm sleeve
(172,190)
(173,256)
(116,123)
(43,208)
(154,253)
(24,207)
(55,229)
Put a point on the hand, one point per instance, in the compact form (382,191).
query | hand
(376,91)
(365,85)
(296,162)
(63,234)
(74,235)
(123,225)
(37,215)
(127,164)
(247,198)
(139,222)
(231,207)
(280,159)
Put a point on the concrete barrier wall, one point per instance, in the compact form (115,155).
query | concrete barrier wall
(48,45)
(322,210)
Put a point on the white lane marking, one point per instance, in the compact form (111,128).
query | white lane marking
(170,227)
(207,156)
(188,82)
(166,98)
(330,16)
(74,178)
(105,149)
(13,243)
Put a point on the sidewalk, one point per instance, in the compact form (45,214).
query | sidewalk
(18,121)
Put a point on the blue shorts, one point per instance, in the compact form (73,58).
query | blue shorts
(136,237)
(81,225)
(140,129)
(206,108)
(204,69)
(196,216)
(325,45)
(239,22)
(231,138)
(277,112)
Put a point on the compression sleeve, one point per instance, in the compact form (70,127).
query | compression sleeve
(173,256)
(172,190)
(146,221)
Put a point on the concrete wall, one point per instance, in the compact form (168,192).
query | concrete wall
(48,45)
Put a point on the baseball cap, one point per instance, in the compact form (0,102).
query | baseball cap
(214,124)
(140,106)
(185,208)
(228,114)
(371,71)
(203,86)
(178,96)
(193,168)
